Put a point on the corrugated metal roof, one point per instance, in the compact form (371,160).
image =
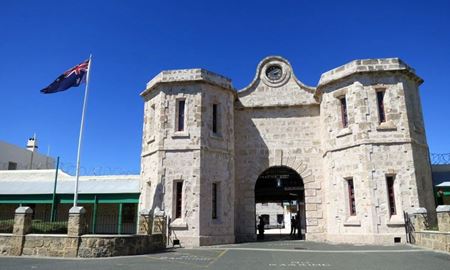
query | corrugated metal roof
(444,184)
(33,175)
(41,182)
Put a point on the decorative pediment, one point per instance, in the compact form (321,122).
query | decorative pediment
(276,85)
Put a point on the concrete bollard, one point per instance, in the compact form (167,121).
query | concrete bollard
(443,217)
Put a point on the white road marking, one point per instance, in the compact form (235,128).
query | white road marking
(318,251)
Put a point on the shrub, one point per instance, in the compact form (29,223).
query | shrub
(58,227)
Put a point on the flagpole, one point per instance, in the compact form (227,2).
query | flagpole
(80,138)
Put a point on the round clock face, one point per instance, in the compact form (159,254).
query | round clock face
(274,72)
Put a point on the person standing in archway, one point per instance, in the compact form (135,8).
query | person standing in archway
(293,225)
(261,228)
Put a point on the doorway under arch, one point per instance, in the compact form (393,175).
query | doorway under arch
(280,196)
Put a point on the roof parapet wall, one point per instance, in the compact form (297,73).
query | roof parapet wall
(188,75)
(367,65)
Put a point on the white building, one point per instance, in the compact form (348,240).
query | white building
(13,157)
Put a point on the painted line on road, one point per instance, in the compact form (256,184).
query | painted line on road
(320,251)
(218,257)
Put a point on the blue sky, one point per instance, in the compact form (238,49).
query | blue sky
(133,40)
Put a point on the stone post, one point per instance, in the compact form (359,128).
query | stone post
(160,226)
(77,221)
(145,222)
(443,217)
(159,223)
(75,228)
(419,216)
(22,226)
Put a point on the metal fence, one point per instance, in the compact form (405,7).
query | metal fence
(110,224)
(6,221)
(43,224)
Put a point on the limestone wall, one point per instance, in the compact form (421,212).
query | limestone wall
(75,242)
(47,245)
(170,156)
(368,166)
(433,240)
(5,243)
(430,236)
(109,246)
(217,166)
(368,151)
(89,245)
(287,90)
(272,210)
(274,136)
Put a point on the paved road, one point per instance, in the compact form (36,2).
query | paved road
(258,256)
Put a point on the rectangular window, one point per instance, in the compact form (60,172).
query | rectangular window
(214,118)
(178,199)
(280,219)
(344,112)
(351,197)
(391,195)
(151,123)
(214,201)
(12,165)
(380,103)
(181,114)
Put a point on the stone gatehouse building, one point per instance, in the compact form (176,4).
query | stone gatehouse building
(351,152)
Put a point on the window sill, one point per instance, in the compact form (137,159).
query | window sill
(344,132)
(178,224)
(387,126)
(396,221)
(352,221)
(180,134)
(151,139)
(216,221)
(216,136)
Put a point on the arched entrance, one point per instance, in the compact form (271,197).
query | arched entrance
(280,196)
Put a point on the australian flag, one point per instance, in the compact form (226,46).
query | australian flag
(71,78)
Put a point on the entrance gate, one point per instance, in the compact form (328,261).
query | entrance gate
(283,188)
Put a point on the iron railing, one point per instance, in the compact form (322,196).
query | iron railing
(6,221)
(109,224)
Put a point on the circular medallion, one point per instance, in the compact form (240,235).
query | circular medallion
(274,72)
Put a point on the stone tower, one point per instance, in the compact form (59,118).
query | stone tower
(379,148)
(187,154)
